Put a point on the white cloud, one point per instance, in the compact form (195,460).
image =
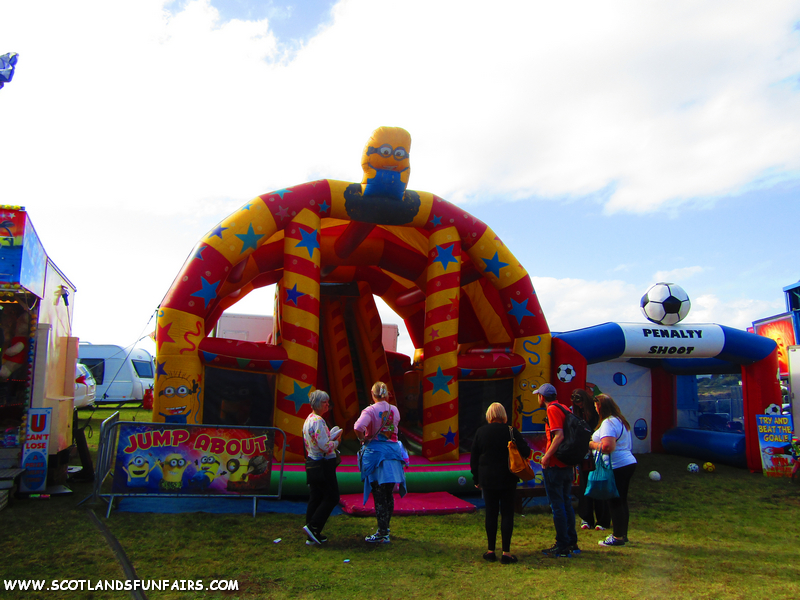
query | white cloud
(180,118)
(666,101)
(740,314)
(574,303)
(570,304)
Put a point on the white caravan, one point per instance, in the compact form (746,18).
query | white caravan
(121,374)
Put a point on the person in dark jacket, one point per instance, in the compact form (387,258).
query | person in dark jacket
(489,465)
(594,514)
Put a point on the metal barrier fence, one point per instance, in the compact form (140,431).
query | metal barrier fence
(190,461)
(103,458)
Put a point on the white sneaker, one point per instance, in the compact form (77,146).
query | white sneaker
(312,535)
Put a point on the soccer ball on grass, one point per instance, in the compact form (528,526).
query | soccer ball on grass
(693,468)
(709,467)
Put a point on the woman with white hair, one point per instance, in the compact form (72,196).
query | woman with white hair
(320,467)
(382,458)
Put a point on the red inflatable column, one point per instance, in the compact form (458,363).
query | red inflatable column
(574,375)
(663,406)
(299,327)
(440,371)
(760,388)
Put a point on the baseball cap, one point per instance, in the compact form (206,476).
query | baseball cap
(546,389)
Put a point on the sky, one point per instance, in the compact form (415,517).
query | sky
(609,145)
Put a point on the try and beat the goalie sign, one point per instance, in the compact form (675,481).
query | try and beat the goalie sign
(468,304)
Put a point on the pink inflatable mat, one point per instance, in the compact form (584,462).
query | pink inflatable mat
(432,503)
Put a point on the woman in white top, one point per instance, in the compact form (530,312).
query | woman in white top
(323,486)
(613,436)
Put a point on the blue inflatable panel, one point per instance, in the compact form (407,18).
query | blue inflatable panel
(745,348)
(715,446)
(598,343)
(689,366)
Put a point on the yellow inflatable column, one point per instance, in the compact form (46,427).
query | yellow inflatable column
(179,390)
(440,371)
(299,327)
(536,352)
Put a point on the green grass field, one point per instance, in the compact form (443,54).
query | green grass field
(729,534)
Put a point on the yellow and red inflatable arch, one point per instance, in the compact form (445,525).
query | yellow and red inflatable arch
(466,301)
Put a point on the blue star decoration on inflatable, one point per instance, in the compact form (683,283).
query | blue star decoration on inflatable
(217,231)
(7,63)
(449,437)
(309,241)
(282,192)
(199,253)
(249,239)
(445,256)
(520,310)
(299,396)
(292,295)
(207,292)
(493,265)
(440,381)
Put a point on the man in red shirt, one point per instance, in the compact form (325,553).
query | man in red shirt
(558,478)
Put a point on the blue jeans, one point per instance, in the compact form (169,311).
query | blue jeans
(558,485)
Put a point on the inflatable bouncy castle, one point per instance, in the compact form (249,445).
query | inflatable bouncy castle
(330,247)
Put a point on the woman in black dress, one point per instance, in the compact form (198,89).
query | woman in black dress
(489,466)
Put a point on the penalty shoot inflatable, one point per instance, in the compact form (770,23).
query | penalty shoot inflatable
(330,247)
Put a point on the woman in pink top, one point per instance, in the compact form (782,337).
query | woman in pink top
(382,459)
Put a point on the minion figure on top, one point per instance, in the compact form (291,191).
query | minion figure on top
(382,197)
(386,163)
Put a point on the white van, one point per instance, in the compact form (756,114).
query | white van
(121,374)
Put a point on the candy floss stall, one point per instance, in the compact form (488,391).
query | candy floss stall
(37,376)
